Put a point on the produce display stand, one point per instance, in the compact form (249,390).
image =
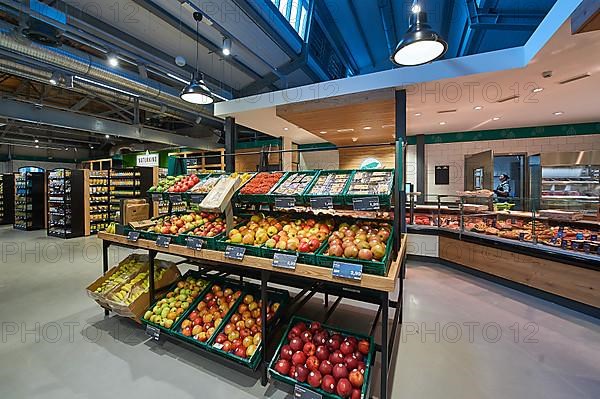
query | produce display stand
(308,278)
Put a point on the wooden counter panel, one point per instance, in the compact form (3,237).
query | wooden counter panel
(568,281)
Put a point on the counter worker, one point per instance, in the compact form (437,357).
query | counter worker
(503,189)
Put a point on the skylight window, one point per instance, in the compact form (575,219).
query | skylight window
(295,12)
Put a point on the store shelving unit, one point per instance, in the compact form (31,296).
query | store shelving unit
(66,219)
(99,200)
(30,201)
(199,161)
(7,198)
(128,183)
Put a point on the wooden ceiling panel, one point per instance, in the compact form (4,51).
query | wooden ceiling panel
(367,118)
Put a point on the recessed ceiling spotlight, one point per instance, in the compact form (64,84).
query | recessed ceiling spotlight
(537,90)
(355,139)
(478,108)
(226,46)
(323,132)
(367,128)
(418,114)
(442,123)
(558,113)
(496,118)
(113,59)
(67,149)
(55,78)
(286,129)
(36,141)
(91,147)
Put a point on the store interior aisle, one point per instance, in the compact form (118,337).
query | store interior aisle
(459,331)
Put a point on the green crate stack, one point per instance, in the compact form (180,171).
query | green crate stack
(338,199)
(385,200)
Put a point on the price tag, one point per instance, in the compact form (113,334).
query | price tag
(153,332)
(285,202)
(594,237)
(521,236)
(236,253)
(175,197)
(285,261)
(587,247)
(350,271)
(321,202)
(218,345)
(574,245)
(194,243)
(365,204)
(563,244)
(303,393)
(197,198)
(157,197)
(133,236)
(163,241)
(513,221)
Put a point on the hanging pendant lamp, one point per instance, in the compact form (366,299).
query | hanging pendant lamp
(196,92)
(420,44)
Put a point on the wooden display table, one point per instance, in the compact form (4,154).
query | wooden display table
(309,278)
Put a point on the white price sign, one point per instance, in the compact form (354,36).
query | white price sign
(147,160)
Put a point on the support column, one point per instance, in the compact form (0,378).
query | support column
(400,194)
(230,144)
(421,170)
(286,157)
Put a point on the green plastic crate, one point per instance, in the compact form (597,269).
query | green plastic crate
(251,250)
(338,199)
(385,200)
(379,268)
(175,330)
(298,197)
(303,257)
(273,295)
(171,288)
(369,359)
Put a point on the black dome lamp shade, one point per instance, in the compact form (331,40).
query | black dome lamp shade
(196,92)
(420,44)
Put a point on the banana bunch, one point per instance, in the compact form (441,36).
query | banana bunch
(132,290)
(243,176)
(121,276)
(112,228)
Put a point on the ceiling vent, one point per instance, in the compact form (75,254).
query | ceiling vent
(575,78)
(39,27)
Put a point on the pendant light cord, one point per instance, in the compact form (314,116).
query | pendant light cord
(197,34)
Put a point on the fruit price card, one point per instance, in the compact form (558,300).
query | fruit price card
(285,202)
(157,197)
(197,198)
(133,236)
(321,203)
(235,253)
(284,261)
(194,243)
(163,241)
(302,393)
(351,271)
(175,197)
(365,204)
(153,332)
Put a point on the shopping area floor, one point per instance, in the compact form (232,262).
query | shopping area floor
(462,338)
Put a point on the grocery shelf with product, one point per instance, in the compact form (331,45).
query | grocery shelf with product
(30,201)
(99,200)
(7,198)
(264,228)
(66,217)
(127,184)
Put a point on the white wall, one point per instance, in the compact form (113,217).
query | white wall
(320,160)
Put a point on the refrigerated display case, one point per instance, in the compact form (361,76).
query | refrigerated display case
(30,201)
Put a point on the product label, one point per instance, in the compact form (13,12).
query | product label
(235,253)
(521,236)
(285,261)
(365,204)
(157,197)
(133,236)
(303,393)
(194,243)
(197,198)
(153,332)
(175,197)
(563,244)
(285,202)
(321,203)
(594,237)
(163,241)
(574,245)
(579,236)
(351,271)
(587,247)
(218,345)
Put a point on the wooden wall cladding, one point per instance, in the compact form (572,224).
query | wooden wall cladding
(568,281)
(351,158)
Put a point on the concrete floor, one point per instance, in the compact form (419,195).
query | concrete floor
(462,337)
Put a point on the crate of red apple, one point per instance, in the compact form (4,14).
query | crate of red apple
(329,361)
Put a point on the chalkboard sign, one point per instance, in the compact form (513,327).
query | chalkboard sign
(285,202)
(235,253)
(153,332)
(442,175)
(285,261)
(163,241)
(351,271)
(365,204)
(133,236)
(194,243)
(321,202)
(303,393)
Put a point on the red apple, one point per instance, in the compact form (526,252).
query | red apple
(315,326)
(359,356)
(314,379)
(292,372)
(298,358)
(355,394)
(322,353)
(301,373)
(312,363)
(306,336)
(351,362)
(320,337)
(240,351)
(344,387)
(336,357)
(221,338)
(346,348)
(301,326)
(363,347)
(282,366)
(286,352)
(340,371)
(296,344)
(356,378)
(309,349)
(328,384)
(361,367)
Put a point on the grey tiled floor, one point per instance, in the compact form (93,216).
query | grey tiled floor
(459,340)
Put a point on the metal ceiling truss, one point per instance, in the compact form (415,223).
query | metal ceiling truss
(361,31)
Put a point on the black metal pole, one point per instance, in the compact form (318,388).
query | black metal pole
(400,203)
(385,303)
(264,277)
(421,169)
(230,143)
(105,245)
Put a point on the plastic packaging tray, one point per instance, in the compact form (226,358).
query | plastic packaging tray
(337,199)
(385,200)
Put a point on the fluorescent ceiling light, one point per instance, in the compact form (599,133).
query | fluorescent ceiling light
(107,136)
(286,129)
(367,128)
(355,139)
(418,114)
(177,78)
(558,113)
(323,132)
(345,130)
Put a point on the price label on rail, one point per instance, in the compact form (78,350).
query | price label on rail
(285,202)
(175,198)
(235,253)
(594,237)
(157,197)
(133,236)
(194,243)
(350,271)
(321,203)
(197,198)
(365,204)
(285,261)
(163,241)
(303,393)
(153,332)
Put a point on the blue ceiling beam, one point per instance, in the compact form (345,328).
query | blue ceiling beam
(361,31)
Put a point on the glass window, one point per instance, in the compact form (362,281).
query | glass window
(302,25)
(283,8)
(294,15)
(295,12)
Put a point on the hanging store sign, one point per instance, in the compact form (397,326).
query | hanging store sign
(147,160)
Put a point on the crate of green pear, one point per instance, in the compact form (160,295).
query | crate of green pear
(167,311)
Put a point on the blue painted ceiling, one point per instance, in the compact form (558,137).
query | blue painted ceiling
(469,26)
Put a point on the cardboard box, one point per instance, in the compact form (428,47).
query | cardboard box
(135,211)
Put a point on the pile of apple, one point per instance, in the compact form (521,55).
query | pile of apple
(184,184)
(168,310)
(210,225)
(365,240)
(242,336)
(331,362)
(292,235)
(203,321)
